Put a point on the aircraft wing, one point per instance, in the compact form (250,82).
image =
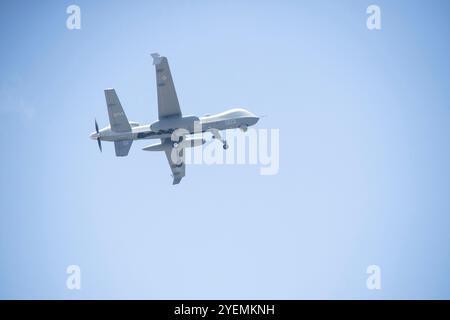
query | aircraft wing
(168,105)
(178,166)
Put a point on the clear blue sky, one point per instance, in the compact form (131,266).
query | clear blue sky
(364,119)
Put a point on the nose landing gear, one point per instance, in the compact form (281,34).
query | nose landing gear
(216,135)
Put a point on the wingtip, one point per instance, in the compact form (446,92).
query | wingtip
(176,180)
(156,58)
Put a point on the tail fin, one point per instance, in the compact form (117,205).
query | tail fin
(117,117)
(122,147)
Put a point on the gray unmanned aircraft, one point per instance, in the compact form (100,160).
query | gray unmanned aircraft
(169,125)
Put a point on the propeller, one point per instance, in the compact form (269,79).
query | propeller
(98,136)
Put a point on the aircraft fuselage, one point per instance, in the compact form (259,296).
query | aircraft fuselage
(172,128)
(162,129)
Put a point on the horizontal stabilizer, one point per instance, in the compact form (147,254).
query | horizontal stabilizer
(117,117)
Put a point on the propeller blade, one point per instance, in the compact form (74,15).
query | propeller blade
(96,125)
(99,144)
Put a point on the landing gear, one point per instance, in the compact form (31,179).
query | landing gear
(216,135)
(177,142)
(243,128)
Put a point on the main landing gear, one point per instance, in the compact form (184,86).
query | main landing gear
(176,143)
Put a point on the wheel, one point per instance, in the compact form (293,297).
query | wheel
(243,128)
(225,146)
